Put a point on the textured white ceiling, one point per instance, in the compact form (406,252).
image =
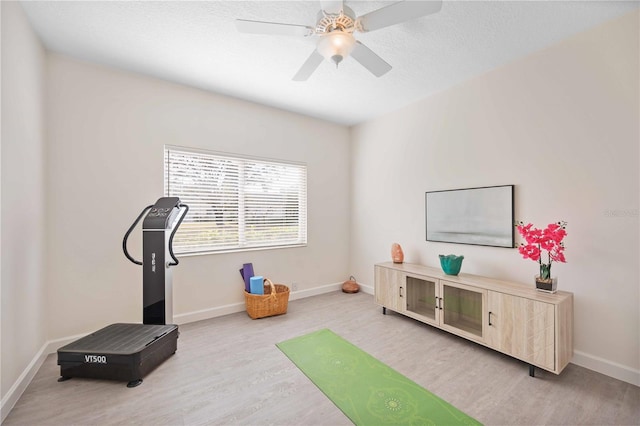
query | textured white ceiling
(197,44)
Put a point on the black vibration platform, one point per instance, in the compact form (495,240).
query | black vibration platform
(124,352)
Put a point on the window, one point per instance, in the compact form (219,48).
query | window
(236,203)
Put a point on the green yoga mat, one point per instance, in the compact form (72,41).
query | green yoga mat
(366,390)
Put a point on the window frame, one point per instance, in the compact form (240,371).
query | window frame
(241,244)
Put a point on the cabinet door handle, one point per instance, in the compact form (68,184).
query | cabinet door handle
(490,318)
(400,290)
(437,303)
(441,303)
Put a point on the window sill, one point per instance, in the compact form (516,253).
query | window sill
(237,250)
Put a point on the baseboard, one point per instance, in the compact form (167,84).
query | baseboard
(233,308)
(606,367)
(366,289)
(204,314)
(54,345)
(240,307)
(18,388)
(301,294)
(325,289)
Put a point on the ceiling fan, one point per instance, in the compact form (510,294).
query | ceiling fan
(335,27)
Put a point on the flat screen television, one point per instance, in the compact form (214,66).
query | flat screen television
(480,216)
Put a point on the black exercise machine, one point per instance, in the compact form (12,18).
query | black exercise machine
(127,352)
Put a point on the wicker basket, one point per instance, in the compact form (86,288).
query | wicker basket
(274,301)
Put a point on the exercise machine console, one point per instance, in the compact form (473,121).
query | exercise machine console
(127,352)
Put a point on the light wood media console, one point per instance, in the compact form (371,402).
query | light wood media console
(511,318)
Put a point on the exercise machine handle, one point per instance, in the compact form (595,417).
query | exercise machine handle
(175,228)
(126,236)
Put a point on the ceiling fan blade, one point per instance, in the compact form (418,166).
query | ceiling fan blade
(374,63)
(331,6)
(396,13)
(272,28)
(308,67)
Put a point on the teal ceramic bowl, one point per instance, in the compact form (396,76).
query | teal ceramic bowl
(451,264)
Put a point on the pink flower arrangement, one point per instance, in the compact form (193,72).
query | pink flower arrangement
(548,239)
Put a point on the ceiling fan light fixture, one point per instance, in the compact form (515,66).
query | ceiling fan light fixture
(336,45)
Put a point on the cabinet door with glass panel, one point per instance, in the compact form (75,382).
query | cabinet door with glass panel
(454,307)
(422,299)
(462,309)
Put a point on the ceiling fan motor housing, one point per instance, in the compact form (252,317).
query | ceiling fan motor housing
(343,21)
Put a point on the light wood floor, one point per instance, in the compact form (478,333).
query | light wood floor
(228,370)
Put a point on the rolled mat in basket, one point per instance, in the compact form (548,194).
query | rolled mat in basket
(274,301)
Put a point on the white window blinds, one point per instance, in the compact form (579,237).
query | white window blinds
(236,203)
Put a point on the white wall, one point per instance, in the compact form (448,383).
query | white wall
(562,125)
(106,132)
(23,198)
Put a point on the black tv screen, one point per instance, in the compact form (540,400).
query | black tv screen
(480,216)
